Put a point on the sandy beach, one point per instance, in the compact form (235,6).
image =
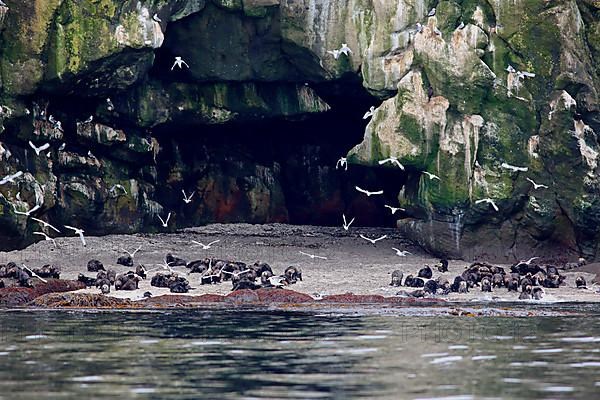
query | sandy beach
(353,265)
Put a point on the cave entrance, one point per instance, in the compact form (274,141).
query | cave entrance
(278,170)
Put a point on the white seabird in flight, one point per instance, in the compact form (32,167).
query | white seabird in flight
(345,49)
(78,232)
(368,193)
(342,162)
(179,63)
(369,113)
(401,253)
(45,224)
(165,223)
(28,212)
(38,150)
(393,160)
(489,201)
(431,176)
(513,168)
(346,225)
(187,199)
(46,237)
(205,246)
(313,256)
(11,178)
(537,185)
(372,241)
(394,209)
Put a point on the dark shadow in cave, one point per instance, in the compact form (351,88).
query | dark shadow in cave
(304,154)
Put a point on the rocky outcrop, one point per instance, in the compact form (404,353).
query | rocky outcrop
(255,124)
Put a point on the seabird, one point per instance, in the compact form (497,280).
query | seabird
(62,147)
(489,201)
(536,185)
(89,154)
(164,222)
(528,261)
(369,113)
(431,176)
(313,256)
(179,63)
(437,31)
(78,232)
(393,160)
(31,272)
(525,74)
(205,246)
(156,18)
(45,224)
(46,237)
(28,212)
(134,252)
(510,69)
(38,150)
(236,274)
(113,189)
(11,178)
(401,253)
(165,265)
(419,27)
(461,26)
(368,193)
(345,49)
(394,209)
(372,241)
(342,162)
(431,12)
(109,104)
(347,225)
(513,168)
(334,53)
(187,199)
(89,120)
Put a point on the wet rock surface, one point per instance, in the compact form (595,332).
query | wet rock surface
(256,123)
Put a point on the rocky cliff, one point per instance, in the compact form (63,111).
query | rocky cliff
(489,96)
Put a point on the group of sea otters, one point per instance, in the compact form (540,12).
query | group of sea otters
(525,277)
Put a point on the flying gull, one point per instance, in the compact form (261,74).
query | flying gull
(489,201)
(346,224)
(78,232)
(372,241)
(393,160)
(368,193)
(45,224)
(205,246)
(513,168)
(369,113)
(28,212)
(38,150)
(537,185)
(342,162)
(313,256)
(345,49)
(334,53)
(11,178)
(46,237)
(33,273)
(134,252)
(401,253)
(431,176)
(394,209)
(179,63)
(164,222)
(187,199)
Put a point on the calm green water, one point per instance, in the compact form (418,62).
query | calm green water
(280,355)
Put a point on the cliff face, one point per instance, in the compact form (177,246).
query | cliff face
(255,125)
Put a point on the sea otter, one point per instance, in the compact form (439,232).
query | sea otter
(396,278)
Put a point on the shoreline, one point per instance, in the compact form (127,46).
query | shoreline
(352,266)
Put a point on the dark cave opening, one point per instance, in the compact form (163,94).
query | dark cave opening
(297,157)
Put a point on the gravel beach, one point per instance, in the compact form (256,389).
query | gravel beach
(353,265)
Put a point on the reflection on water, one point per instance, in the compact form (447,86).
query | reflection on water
(266,354)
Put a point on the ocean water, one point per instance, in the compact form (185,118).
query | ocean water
(260,354)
